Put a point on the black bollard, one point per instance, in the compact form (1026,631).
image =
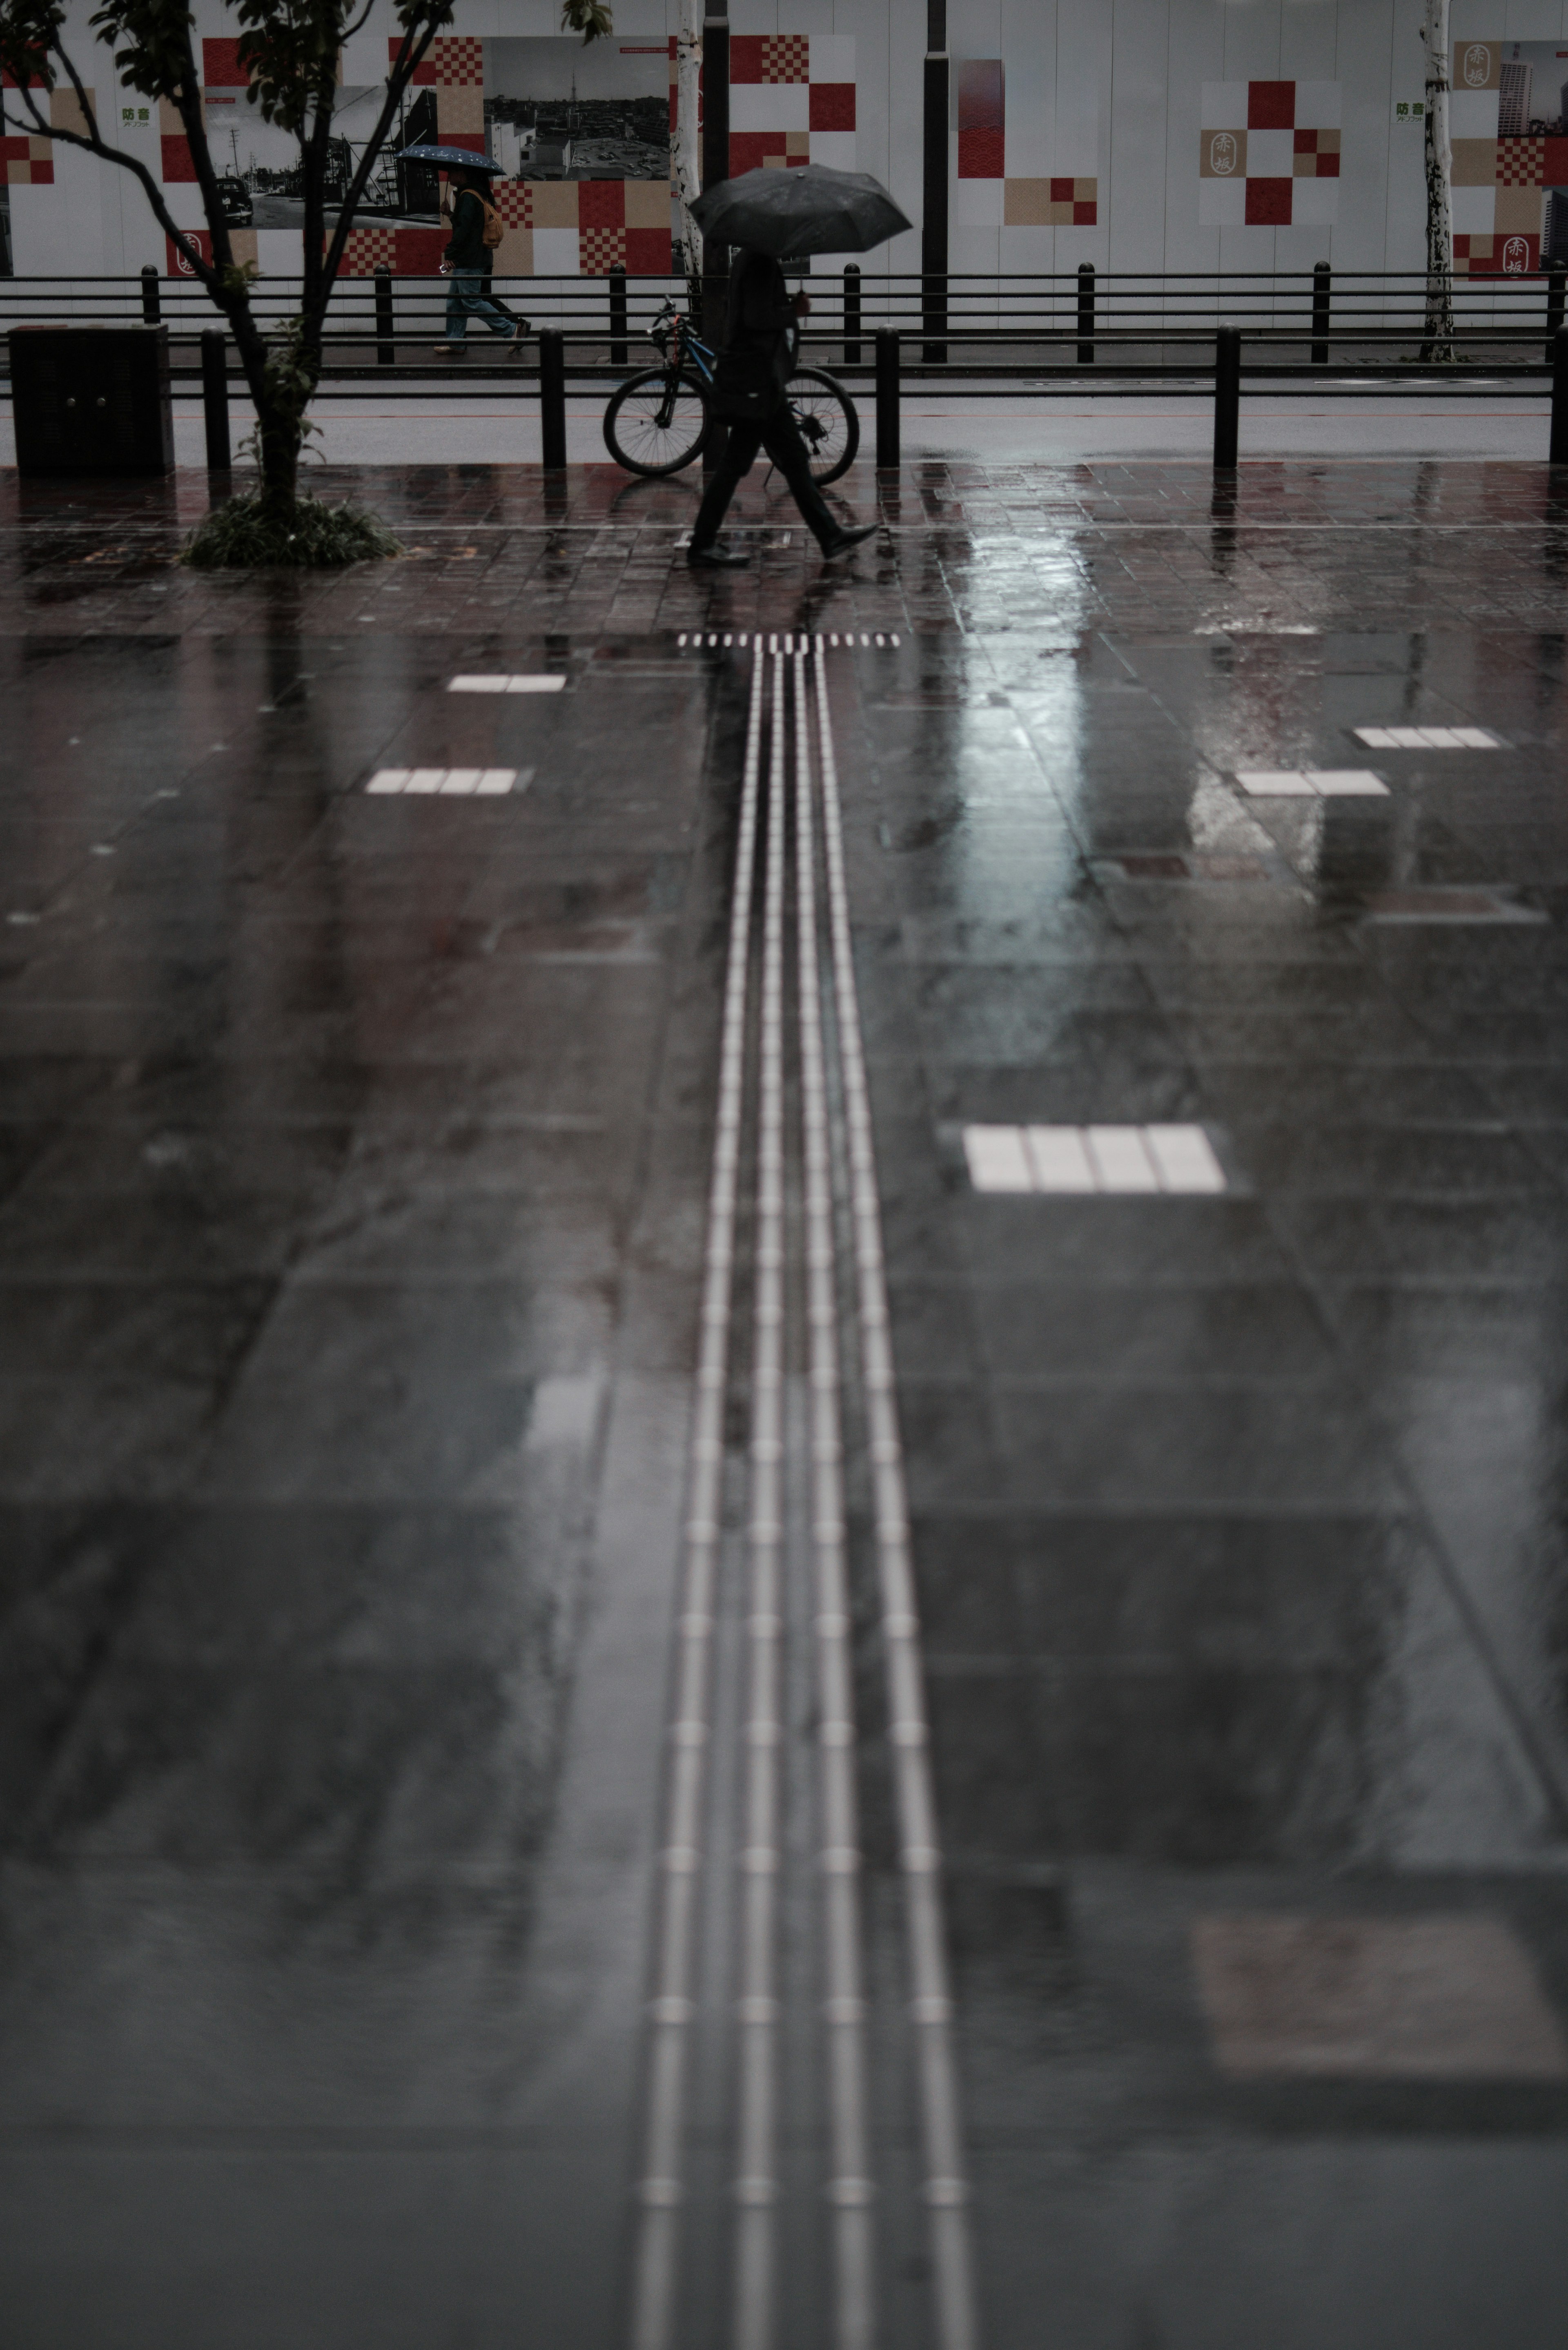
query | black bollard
(619,355)
(1085,311)
(887,398)
(552,399)
(852,314)
(1227,397)
(215,400)
(1558,452)
(934,318)
(1322,279)
(150,306)
(1554,286)
(386,348)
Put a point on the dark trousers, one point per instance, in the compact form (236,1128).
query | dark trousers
(780,436)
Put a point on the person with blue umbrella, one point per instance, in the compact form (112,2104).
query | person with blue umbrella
(475,232)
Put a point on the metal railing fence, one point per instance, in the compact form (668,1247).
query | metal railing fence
(1522,343)
(1010,330)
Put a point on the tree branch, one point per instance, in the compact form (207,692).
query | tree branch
(406,65)
(97,145)
(188,102)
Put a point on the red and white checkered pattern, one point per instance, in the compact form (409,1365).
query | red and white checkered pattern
(424,74)
(28,162)
(601,249)
(792,101)
(1269,154)
(787,56)
(1522,162)
(367,250)
(513,199)
(459,63)
(1496,227)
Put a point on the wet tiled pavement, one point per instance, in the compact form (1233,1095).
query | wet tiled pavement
(355,1214)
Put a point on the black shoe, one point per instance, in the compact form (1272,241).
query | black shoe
(715,558)
(847,539)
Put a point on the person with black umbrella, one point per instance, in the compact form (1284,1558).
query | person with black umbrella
(765,215)
(755,362)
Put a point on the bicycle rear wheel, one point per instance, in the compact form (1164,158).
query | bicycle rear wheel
(655,426)
(828,423)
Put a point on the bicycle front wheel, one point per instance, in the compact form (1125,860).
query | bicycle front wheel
(827,420)
(655,425)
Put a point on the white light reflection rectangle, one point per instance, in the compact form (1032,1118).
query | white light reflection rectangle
(1062,1161)
(1121,1161)
(997,1159)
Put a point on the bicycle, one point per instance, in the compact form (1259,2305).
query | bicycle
(658,421)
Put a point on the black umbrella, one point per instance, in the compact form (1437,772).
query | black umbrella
(448,155)
(806,210)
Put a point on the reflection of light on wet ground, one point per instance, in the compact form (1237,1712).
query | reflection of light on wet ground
(1217,821)
(352,1237)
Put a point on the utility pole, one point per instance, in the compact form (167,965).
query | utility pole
(1437,342)
(683,159)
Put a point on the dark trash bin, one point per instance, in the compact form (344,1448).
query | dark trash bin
(91,399)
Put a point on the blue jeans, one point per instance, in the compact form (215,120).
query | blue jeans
(465,298)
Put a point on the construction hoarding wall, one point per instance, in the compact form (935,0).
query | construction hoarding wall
(1136,134)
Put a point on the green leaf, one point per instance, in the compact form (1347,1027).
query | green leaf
(592,18)
(28,30)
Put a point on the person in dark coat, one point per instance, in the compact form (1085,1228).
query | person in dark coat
(468,260)
(759,345)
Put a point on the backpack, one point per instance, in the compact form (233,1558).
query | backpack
(495,227)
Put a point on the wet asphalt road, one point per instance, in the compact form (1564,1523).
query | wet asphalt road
(356,1158)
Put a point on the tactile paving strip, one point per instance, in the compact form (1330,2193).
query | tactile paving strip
(697,640)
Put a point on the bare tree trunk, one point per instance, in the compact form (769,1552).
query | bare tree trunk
(278,442)
(1438,335)
(281,373)
(684,146)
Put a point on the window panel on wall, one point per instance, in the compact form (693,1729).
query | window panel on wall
(1382,201)
(1188,242)
(1142,57)
(1251,58)
(1029,51)
(1309,41)
(1252,42)
(1080,145)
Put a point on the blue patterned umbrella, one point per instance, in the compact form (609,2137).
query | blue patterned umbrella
(448,155)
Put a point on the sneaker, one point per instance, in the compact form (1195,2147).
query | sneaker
(514,346)
(450,350)
(847,539)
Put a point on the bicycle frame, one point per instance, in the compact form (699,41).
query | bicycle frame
(683,351)
(689,350)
